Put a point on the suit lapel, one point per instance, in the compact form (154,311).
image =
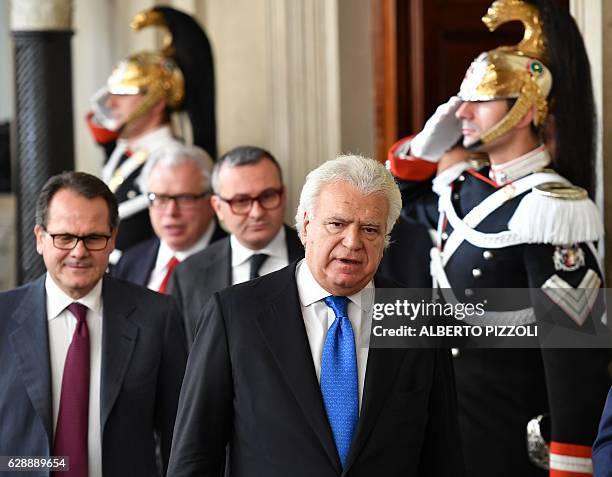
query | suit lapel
(283,330)
(148,262)
(30,341)
(227,260)
(119,337)
(381,372)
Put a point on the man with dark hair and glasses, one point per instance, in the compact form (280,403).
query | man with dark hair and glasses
(250,201)
(177,182)
(91,365)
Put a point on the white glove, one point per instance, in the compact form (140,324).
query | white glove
(440,133)
(101,114)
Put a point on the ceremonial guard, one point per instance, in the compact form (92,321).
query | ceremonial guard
(141,110)
(518,222)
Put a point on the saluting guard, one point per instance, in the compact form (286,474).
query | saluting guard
(141,110)
(522,220)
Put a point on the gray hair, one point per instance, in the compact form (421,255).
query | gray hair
(367,175)
(174,155)
(242,156)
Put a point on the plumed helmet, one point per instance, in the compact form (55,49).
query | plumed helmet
(511,72)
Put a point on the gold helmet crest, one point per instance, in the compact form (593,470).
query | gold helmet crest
(511,72)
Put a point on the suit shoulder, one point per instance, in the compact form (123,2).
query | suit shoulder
(214,252)
(10,297)
(133,293)
(135,251)
(133,256)
(261,290)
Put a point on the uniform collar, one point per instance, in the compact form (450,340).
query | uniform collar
(533,161)
(150,139)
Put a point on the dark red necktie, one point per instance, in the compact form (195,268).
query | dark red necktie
(173,262)
(71,436)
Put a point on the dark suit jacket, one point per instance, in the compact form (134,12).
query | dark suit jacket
(602,449)
(250,381)
(137,262)
(143,362)
(406,260)
(195,280)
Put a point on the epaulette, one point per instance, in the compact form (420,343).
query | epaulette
(558,214)
(476,163)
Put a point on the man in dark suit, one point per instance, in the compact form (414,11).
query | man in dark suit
(250,199)
(177,184)
(91,365)
(281,368)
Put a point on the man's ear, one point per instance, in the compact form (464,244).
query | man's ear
(527,119)
(305,224)
(216,205)
(38,231)
(113,238)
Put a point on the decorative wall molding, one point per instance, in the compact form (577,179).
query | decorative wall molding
(304,86)
(41,15)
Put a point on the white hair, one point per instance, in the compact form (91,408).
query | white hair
(174,155)
(367,175)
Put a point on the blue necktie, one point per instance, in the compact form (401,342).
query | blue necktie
(339,377)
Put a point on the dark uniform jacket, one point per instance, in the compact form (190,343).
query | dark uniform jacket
(501,390)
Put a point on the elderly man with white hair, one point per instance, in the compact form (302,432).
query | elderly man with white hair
(177,182)
(281,368)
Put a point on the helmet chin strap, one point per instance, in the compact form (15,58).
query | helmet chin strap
(530,93)
(153,95)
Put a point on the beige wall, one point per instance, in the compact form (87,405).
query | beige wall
(356,77)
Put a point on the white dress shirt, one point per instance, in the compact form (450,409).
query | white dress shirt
(61,325)
(277,257)
(165,253)
(318,318)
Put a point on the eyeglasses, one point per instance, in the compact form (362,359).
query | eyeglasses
(269,199)
(182,201)
(93,243)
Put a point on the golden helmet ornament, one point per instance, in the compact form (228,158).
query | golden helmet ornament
(511,72)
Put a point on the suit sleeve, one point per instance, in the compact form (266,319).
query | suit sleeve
(576,378)
(171,371)
(205,414)
(441,455)
(602,449)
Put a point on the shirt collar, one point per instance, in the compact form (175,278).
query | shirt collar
(311,292)
(165,253)
(510,171)
(276,248)
(150,139)
(58,300)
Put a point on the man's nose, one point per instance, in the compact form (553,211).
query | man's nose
(172,208)
(256,210)
(352,238)
(464,111)
(79,250)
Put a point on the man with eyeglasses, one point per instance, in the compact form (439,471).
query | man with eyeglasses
(91,365)
(250,200)
(177,182)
